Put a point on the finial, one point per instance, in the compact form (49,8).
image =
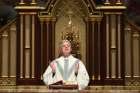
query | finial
(33,2)
(21,2)
(107,2)
(118,2)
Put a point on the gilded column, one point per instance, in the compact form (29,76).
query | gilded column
(47,40)
(107,45)
(90,47)
(28,44)
(93,44)
(114,47)
(113,38)
(118,72)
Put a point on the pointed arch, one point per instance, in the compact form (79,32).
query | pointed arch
(86,5)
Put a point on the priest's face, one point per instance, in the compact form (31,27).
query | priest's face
(66,48)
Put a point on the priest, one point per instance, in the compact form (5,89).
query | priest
(67,69)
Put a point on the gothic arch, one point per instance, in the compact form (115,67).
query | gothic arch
(78,11)
(54,6)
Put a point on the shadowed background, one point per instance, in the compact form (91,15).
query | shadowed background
(7,11)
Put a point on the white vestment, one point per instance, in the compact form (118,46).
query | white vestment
(82,77)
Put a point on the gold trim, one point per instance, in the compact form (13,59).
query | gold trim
(119,45)
(84,3)
(136,76)
(46,18)
(29,7)
(12,76)
(107,45)
(7,77)
(113,13)
(119,2)
(5,53)
(113,31)
(93,39)
(9,53)
(133,25)
(93,77)
(27,31)
(94,18)
(93,3)
(99,68)
(27,46)
(33,46)
(4,76)
(136,35)
(107,2)
(132,77)
(21,2)
(27,63)
(90,5)
(8,81)
(21,46)
(99,78)
(128,76)
(29,13)
(54,7)
(4,36)
(51,6)
(33,2)
(48,2)
(113,63)
(111,7)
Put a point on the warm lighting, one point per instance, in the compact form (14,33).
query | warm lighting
(71,33)
(93,78)
(21,2)
(107,2)
(99,78)
(33,2)
(118,2)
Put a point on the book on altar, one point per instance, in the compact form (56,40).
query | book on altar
(64,85)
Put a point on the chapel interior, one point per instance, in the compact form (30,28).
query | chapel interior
(105,35)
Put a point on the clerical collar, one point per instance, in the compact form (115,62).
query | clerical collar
(67,56)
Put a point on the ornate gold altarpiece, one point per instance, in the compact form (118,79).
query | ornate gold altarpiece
(98,40)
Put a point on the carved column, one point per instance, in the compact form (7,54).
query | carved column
(8,54)
(28,44)
(114,64)
(93,47)
(47,40)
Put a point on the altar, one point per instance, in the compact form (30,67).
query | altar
(101,36)
(89,89)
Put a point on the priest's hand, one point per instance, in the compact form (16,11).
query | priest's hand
(53,67)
